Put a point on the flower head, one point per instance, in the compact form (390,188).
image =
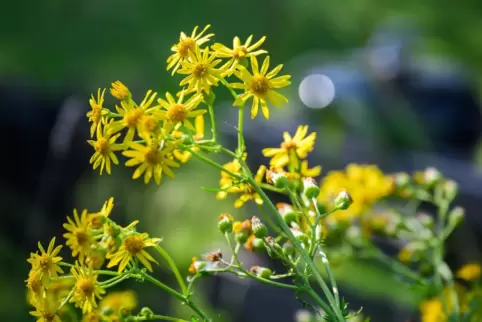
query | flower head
(45,263)
(133,246)
(119,302)
(292,148)
(185,46)
(133,116)
(261,86)
(79,236)
(179,112)
(98,112)
(239,52)
(469,272)
(87,289)
(120,91)
(201,71)
(46,309)
(96,220)
(153,159)
(104,147)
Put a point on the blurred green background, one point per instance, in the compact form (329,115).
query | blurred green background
(83,45)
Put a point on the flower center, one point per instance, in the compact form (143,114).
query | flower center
(34,283)
(133,244)
(96,114)
(240,52)
(288,145)
(48,316)
(92,317)
(45,262)
(259,85)
(153,156)
(85,286)
(185,45)
(81,237)
(132,117)
(102,146)
(149,123)
(177,113)
(200,70)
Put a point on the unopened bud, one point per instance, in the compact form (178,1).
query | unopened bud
(257,245)
(225,223)
(426,220)
(261,271)
(272,247)
(310,189)
(259,229)
(401,179)
(241,231)
(343,200)
(287,212)
(450,189)
(432,176)
(289,249)
(147,312)
(456,216)
(278,178)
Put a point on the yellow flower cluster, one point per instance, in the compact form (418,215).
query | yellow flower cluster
(365,183)
(152,131)
(93,238)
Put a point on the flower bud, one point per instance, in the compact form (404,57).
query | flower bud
(426,220)
(310,189)
(450,189)
(432,176)
(259,229)
(272,247)
(261,271)
(287,212)
(241,231)
(225,223)
(401,180)
(289,249)
(456,216)
(257,244)
(343,200)
(147,312)
(278,178)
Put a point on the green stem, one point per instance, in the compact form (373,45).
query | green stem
(272,188)
(211,162)
(258,278)
(268,219)
(115,280)
(174,268)
(176,294)
(240,130)
(66,299)
(154,317)
(213,122)
(306,257)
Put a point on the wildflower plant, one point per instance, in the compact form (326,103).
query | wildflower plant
(325,221)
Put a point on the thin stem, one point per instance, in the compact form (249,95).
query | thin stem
(268,219)
(258,278)
(66,299)
(115,281)
(154,317)
(176,294)
(272,188)
(174,268)
(240,130)
(213,122)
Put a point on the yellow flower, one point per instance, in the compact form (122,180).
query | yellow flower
(238,52)
(152,159)
(469,272)
(96,220)
(185,46)
(248,192)
(104,147)
(46,310)
(148,124)
(292,148)
(92,317)
(179,112)
(133,246)
(433,309)
(132,116)
(201,71)
(366,184)
(87,289)
(119,302)
(46,262)
(309,172)
(260,86)
(98,112)
(226,183)
(34,283)
(79,237)
(120,91)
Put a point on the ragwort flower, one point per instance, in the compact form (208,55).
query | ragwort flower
(292,148)
(98,112)
(87,289)
(120,91)
(201,71)
(238,52)
(179,112)
(153,159)
(185,46)
(79,236)
(46,309)
(133,246)
(46,262)
(104,147)
(261,86)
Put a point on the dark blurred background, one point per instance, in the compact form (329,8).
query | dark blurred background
(387,82)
